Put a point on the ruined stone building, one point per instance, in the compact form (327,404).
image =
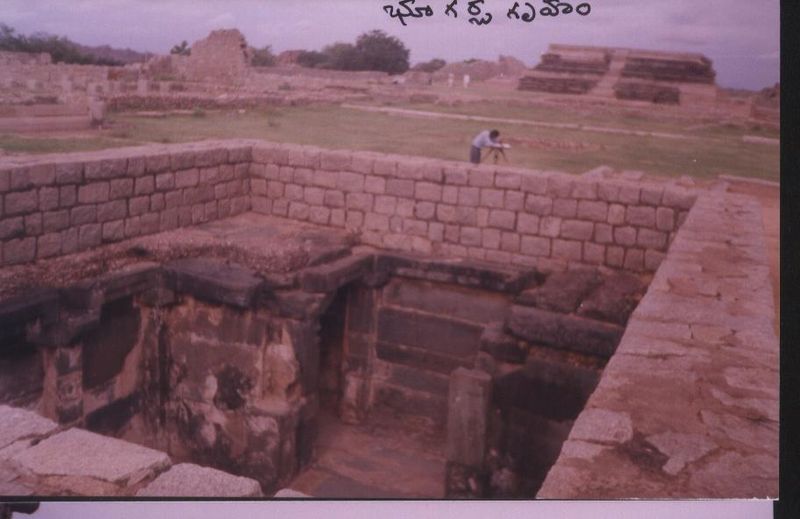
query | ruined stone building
(626,74)
(232,318)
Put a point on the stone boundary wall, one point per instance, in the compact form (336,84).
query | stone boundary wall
(485,212)
(38,457)
(688,404)
(62,204)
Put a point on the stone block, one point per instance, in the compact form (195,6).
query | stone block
(470,237)
(634,260)
(114,231)
(491,239)
(293,192)
(592,210)
(468,401)
(629,194)
(427,191)
(577,230)
(560,186)
(614,300)
(376,222)
(105,169)
(457,176)
(331,276)
(402,188)
(568,250)
(21,202)
(258,187)
(535,246)
(314,195)
(562,291)
(68,173)
(87,464)
(653,259)
(48,245)
(651,195)
(120,188)
(528,224)
(415,227)
(335,160)
(188,480)
(650,239)
(298,211)
(550,226)
(157,163)
(500,219)
(182,160)
(424,210)
(359,201)
(481,177)
(510,242)
(67,196)
(608,191)
(584,190)
(186,178)
(48,199)
(615,256)
(19,424)
(33,224)
(514,201)
(565,207)
(136,166)
(450,194)
(375,185)
(492,198)
(83,214)
(364,163)
(616,214)
(350,182)
(665,219)
(384,167)
(540,205)
(305,177)
(333,199)
(625,236)
(436,232)
(564,331)
(641,216)
(136,206)
(142,186)
(12,228)
(678,199)
(535,184)
(502,346)
(18,251)
(214,281)
(508,181)
(115,210)
(428,332)
(53,221)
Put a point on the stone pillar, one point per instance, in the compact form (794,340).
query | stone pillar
(62,395)
(467,419)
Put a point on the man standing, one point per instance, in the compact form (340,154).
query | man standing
(485,139)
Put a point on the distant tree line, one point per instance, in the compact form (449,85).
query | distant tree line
(373,50)
(60,48)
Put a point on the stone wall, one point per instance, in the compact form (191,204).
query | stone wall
(501,214)
(59,205)
(222,57)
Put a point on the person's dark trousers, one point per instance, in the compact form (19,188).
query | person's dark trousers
(475,155)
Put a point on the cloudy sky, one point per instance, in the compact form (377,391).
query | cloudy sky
(740,36)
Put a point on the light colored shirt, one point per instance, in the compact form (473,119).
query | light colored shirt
(484,141)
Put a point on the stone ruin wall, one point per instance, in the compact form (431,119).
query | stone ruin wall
(52,207)
(702,299)
(222,57)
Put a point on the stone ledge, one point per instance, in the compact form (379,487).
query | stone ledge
(189,480)
(659,425)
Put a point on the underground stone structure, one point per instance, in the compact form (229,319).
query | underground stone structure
(189,320)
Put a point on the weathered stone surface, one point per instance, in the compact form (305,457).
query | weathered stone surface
(614,299)
(85,463)
(214,281)
(188,480)
(437,334)
(603,426)
(19,424)
(564,331)
(562,291)
(467,412)
(502,346)
(330,276)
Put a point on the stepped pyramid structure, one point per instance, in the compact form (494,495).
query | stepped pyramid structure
(630,74)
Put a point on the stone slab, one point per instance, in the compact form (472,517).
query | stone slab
(189,480)
(18,424)
(214,281)
(81,461)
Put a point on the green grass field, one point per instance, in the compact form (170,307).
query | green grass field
(713,149)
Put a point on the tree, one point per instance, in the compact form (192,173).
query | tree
(379,51)
(263,57)
(430,66)
(342,56)
(182,49)
(311,59)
